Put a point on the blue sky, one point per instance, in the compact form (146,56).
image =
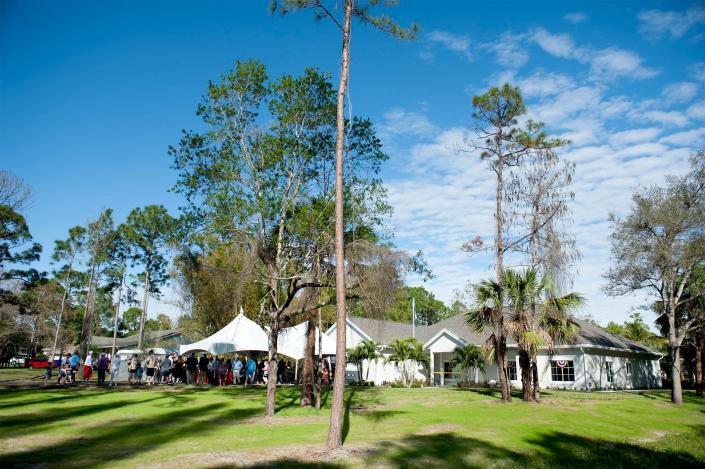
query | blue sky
(93,93)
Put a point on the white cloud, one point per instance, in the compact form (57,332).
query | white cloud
(402,122)
(612,63)
(676,118)
(558,45)
(696,110)
(658,23)
(509,51)
(575,18)
(605,64)
(454,42)
(627,137)
(681,92)
(687,138)
(542,84)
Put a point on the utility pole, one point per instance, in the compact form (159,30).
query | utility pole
(413,317)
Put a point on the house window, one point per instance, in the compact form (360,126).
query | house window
(562,370)
(608,371)
(629,368)
(512,370)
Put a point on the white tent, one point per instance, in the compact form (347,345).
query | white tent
(292,342)
(242,334)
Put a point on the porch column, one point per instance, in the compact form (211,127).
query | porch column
(443,375)
(432,368)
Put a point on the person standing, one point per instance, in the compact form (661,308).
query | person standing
(202,369)
(115,370)
(132,369)
(250,370)
(166,369)
(103,364)
(191,367)
(47,373)
(150,364)
(75,360)
(237,370)
(88,367)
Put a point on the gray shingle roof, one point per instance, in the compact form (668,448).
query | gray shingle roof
(383,332)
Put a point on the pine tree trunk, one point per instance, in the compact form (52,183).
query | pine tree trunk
(87,327)
(699,368)
(501,349)
(319,375)
(117,315)
(145,303)
(525,365)
(270,405)
(307,391)
(67,289)
(335,431)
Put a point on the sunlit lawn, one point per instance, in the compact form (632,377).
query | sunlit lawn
(89,427)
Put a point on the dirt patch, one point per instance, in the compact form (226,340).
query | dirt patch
(273,457)
(656,436)
(439,428)
(277,420)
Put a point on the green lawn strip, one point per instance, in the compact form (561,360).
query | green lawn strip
(79,426)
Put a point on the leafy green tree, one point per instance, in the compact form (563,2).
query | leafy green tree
(469,357)
(130,322)
(164,322)
(148,232)
(16,249)
(503,142)
(247,178)
(429,309)
(658,246)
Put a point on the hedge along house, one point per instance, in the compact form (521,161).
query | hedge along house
(596,360)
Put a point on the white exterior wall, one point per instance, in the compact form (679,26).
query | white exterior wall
(588,364)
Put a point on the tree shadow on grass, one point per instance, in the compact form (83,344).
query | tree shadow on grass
(125,439)
(553,449)
(36,422)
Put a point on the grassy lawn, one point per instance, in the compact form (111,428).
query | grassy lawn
(24,374)
(163,427)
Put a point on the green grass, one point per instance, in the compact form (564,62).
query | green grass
(89,427)
(15,374)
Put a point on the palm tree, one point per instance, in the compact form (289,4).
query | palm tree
(489,298)
(407,354)
(537,318)
(355,357)
(468,357)
(368,351)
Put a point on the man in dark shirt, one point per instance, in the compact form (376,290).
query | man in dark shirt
(191,367)
(202,369)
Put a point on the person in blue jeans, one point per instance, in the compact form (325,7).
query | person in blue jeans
(250,369)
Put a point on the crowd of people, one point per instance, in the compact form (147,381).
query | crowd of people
(171,369)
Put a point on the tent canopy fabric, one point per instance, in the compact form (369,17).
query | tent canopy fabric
(242,334)
(292,342)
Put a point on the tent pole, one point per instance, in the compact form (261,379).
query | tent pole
(296,371)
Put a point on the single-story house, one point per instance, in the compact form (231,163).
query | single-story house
(596,360)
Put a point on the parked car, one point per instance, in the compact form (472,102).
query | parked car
(19,360)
